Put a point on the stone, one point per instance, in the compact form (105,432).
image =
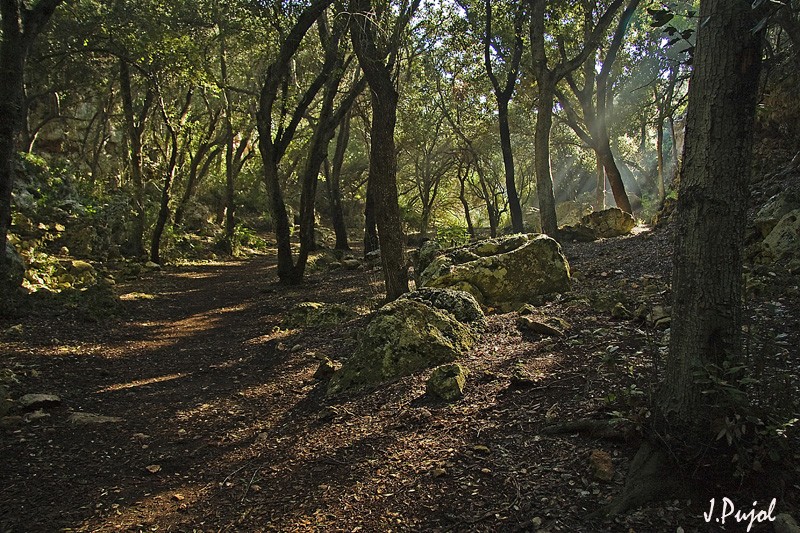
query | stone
(783,242)
(316,314)
(31,402)
(613,222)
(550,326)
(91,418)
(505,272)
(152,266)
(601,466)
(447,382)
(576,233)
(429,251)
(351,264)
(403,337)
(774,210)
(620,311)
(784,523)
(659,317)
(462,305)
(325,370)
(16,272)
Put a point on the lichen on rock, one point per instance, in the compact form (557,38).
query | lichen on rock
(447,382)
(316,314)
(404,336)
(461,304)
(505,272)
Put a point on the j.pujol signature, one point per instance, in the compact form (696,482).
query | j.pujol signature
(728,512)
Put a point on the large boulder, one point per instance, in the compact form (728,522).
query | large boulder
(608,223)
(505,272)
(16,270)
(404,337)
(462,305)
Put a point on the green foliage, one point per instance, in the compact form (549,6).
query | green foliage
(753,437)
(244,237)
(452,235)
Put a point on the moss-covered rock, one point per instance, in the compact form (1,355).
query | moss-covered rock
(774,210)
(609,223)
(447,382)
(316,314)
(403,337)
(783,242)
(427,253)
(505,272)
(461,304)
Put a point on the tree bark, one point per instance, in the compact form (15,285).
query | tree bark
(135,129)
(600,188)
(503,97)
(712,203)
(383,156)
(272,146)
(169,175)
(333,182)
(544,176)
(546,79)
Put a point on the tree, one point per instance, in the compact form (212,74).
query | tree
(21,26)
(378,64)
(503,94)
(707,273)
(712,204)
(273,144)
(546,79)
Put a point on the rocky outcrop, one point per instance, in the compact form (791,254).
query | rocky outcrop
(404,337)
(505,272)
(571,212)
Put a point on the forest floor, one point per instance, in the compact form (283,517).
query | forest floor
(219,424)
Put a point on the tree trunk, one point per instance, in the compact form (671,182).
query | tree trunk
(660,155)
(20,27)
(508,163)
(613,175)
(135,130)
(334,184)
(383,156)
(712,203)
(370,221)
(169,175)
(544,177)
(383,174)
(13,52)
(600,188)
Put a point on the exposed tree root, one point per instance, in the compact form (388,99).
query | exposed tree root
(652,477)
(602,429)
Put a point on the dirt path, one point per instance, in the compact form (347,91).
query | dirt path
(223,427)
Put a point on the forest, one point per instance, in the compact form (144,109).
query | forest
(400,265)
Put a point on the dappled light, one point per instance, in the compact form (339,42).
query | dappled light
(382,265)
